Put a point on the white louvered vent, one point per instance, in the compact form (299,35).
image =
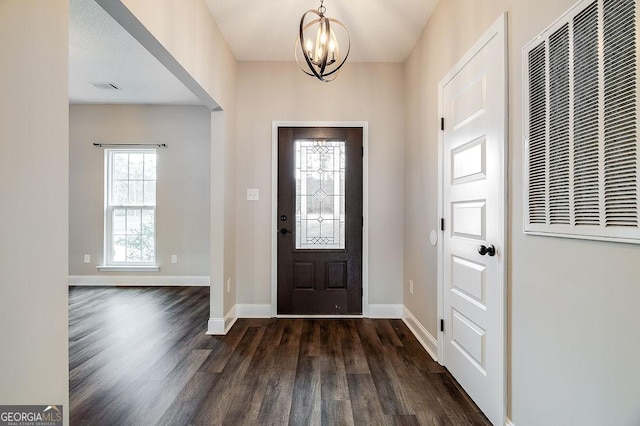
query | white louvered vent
(582,165)
(106,86)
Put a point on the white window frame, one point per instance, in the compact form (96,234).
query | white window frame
(109,263)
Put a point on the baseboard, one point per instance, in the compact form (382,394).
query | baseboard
(132,280)
(264,311)
(221,326)
(253,310)
(230,318)
(216,327)
(428,342)
(385,311)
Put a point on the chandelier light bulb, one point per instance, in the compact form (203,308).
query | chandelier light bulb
(309,48)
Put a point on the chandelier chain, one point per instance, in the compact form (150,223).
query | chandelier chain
(322,9)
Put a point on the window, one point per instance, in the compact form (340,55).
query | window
(130,207)
(582,151)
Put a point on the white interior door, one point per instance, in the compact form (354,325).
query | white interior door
(473,144)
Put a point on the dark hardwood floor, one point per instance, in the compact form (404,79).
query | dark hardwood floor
(139,356)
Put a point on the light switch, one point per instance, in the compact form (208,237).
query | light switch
(253,194)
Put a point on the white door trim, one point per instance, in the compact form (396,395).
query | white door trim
(274,204)
(499,27)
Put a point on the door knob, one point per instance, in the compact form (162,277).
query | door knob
(284,231)
(491,250)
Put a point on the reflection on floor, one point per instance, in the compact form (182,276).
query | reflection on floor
(140,356)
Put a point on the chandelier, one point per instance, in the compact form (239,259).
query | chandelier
(322,59)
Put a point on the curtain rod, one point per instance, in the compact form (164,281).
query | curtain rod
(106,145)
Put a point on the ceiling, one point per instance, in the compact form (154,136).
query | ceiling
(101,51)
(381,30)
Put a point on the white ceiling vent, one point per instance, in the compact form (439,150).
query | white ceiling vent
(582,149)
(106,86)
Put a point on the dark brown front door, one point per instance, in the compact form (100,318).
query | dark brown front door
(319,220)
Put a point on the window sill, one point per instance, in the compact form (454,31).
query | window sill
(128,268)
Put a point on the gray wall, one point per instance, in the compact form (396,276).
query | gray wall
(279,91)
(190,36)
(573,328)
(183,187)
(34,199)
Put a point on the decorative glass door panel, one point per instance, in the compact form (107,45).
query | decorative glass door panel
(320,194)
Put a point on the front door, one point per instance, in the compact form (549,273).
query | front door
(319,221)
(473,249)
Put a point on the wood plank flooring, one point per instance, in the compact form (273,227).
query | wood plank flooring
(139,356)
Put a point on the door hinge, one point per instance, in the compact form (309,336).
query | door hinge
(442,325)
(442,123)
(442,224)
